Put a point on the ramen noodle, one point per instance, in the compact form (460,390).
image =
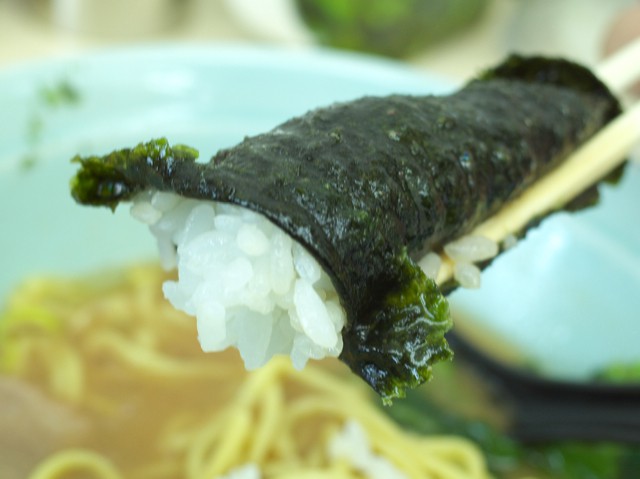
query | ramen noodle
(116,354)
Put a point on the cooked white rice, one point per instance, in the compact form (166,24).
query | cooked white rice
(352,445)
(471,248)
(248,283)
(464,252)
(467,274)
(430,265)
(251,286)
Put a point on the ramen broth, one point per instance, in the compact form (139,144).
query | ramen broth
(136,397)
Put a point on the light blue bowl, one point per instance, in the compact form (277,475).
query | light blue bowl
(207,96)
(568,297)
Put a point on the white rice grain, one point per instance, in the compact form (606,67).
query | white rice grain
(470,249)
(145,212)
(237,274)
(351,444)
(211,324)
(163,201)
(251,240)
(248,284)
(313,315)
(281,268)
(253,334)
(467,275)
(199,220)
(305,264)
(430,265)
(336,314)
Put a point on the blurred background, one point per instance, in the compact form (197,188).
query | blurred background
(454,38)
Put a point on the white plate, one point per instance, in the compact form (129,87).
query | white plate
(568,296)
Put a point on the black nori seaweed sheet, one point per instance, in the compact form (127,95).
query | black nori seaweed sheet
(368,184)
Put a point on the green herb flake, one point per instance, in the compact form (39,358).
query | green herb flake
(62,93)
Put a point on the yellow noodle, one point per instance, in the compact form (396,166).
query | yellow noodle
(266,420)
(207,438)
(16,354)
(66,374)
(149,361)
(437,467)
(458,450)
(100,404)
(167,469)
(320,406)
(259,380)
(284,448)
(229,450)
(323,381)
(55,466)
(180,430)
(265,432)
(384,436)
(319,474)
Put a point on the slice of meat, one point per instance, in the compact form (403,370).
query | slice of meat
(32,426)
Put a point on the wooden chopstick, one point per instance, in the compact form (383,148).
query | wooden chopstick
(587,165)
(622,69)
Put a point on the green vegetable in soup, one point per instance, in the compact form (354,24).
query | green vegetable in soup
(367,186)
(620,373)
(461,407)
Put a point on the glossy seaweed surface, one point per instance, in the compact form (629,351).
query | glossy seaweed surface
(368,185)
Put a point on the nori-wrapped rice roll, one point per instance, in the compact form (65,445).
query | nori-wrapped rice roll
(370,185)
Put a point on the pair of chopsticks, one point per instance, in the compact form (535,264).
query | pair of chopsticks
(586,166)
